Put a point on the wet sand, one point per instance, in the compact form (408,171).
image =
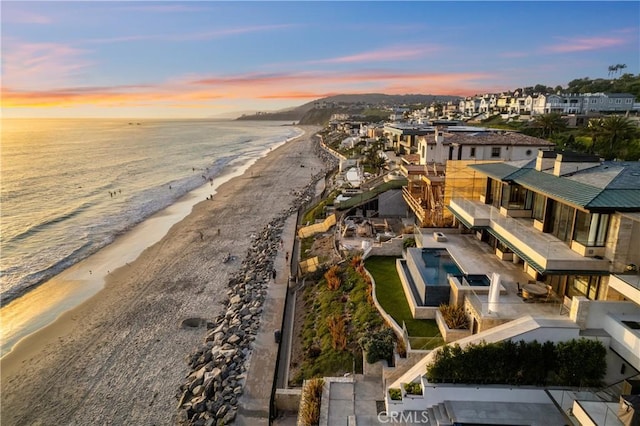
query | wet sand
(119,357)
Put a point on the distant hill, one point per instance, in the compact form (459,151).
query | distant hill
(319,111)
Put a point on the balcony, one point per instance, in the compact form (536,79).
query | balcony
(543,252)
(627,284)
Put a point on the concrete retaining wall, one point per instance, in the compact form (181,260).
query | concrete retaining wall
(288,399)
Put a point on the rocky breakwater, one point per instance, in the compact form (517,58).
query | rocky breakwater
(210,392)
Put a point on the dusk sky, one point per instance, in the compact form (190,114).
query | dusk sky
(202,59)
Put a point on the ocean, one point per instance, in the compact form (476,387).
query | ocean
(70,187)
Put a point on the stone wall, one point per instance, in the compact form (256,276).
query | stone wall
(393,247)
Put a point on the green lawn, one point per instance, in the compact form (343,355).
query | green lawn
(391,296)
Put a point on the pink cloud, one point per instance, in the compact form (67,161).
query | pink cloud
(386,54)
(275,86)
(42,64)
(580,44)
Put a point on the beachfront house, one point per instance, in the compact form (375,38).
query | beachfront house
(546,250)
(442,166)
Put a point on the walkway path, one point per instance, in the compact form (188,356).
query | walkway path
(255,401)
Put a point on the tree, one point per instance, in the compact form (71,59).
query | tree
(613,131)
(614,69)
(549,124)
(373,158)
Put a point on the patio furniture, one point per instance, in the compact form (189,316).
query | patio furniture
(530,291)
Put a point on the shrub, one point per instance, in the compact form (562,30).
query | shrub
(573,363)
(311,398)
(379,345)
(409,242)
(355,261)
(454,316)
(333,279)
(413,388)
(395,394)
(338,332)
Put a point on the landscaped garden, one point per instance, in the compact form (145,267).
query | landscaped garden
(423,334)
(340,321)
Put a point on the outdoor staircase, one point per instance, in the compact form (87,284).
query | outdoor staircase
(402,365)
(439,415)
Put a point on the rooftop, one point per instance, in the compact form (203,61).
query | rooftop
(608,185)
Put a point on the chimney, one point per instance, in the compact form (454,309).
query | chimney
(569,162)
(545,160)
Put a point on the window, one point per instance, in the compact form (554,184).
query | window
(516,197)
(472,152)
(591,229)
(562,221)
(495,152)
(583,285)
(538,207)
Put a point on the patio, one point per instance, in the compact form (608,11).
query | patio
(476,257)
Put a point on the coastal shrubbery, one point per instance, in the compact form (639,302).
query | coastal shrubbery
(572,363)
(311,398)
(340,312)
(454,316)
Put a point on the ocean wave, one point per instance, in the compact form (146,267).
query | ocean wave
(38,227)
(38,277)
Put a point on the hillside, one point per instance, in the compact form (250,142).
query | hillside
(309,114)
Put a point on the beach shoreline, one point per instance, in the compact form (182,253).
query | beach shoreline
(42,304)
(119,356)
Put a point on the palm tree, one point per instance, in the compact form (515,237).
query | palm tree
(549,124)
(616,129)
(614,69)
(595,127)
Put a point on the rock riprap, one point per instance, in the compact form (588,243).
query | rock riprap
(210,392)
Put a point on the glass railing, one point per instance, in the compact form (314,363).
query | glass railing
(509,309)
(565,399)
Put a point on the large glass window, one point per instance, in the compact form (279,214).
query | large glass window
(516,197)
(591,228)
(496,189)
(562,221)
(538,206)
(583,285)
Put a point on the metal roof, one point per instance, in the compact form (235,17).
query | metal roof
(498,171)
(575,193)
(619,193)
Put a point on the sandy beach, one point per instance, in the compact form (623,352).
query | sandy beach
(119,358)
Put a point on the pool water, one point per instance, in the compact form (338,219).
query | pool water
(437,263)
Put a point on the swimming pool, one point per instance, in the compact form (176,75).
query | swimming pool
(436,264)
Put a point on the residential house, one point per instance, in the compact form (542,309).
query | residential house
(448,149)
(571,224)
(570,220)
(607,102)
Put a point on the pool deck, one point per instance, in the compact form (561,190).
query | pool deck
(476,257)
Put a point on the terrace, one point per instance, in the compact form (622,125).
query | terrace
(542,252)
(474,258)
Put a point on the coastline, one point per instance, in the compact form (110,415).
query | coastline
(127,338)
(41,305)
